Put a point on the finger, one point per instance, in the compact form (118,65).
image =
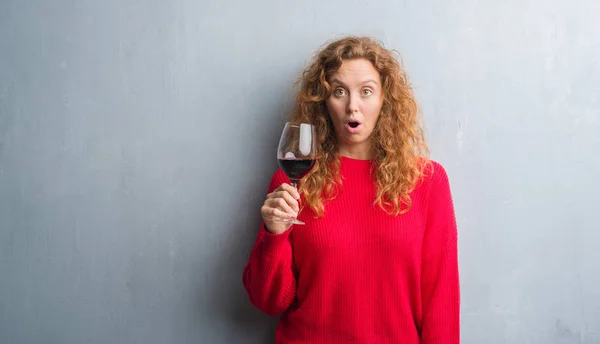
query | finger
(282,205)
(291,201)
(266,212)
(292,190)
(275,193)
(274,213)
(270,210)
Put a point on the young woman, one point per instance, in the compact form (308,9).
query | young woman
(376,261)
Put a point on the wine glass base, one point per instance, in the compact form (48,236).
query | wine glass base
(293,221)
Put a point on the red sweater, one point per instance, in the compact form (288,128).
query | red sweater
(359,275)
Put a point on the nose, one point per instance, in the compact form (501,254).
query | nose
(352,106)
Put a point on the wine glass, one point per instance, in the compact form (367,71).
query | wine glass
(296,154)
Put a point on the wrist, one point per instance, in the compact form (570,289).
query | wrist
(276,229)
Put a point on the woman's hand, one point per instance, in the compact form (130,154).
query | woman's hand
(280,204)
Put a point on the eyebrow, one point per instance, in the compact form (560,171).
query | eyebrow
(336,80)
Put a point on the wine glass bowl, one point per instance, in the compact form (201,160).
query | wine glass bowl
(296,153)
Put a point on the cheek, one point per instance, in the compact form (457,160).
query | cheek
(373,110)
(336,111)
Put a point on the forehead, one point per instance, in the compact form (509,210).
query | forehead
(356,70)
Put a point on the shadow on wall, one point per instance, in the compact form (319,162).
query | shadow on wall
(222,294)
(227,298)
(7,118)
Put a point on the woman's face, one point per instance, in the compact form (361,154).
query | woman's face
(354,106)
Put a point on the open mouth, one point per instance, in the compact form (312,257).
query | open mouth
(353,126)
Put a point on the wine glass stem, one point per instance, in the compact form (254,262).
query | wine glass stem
(294,183)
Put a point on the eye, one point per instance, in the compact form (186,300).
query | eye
(339,92)
(367,92)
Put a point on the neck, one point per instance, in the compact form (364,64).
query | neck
(362,152)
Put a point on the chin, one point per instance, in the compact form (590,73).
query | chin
(355,141)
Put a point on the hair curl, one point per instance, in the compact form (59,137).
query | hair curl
(400,152)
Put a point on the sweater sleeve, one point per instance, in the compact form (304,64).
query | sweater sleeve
(268,277)
(440,287)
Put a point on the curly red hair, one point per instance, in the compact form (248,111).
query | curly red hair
(400,152)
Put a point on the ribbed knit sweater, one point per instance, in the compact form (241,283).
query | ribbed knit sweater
(358,274)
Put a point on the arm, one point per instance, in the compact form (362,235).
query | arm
(440,289)
(268,276)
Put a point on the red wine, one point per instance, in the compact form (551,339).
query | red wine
(295,169)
